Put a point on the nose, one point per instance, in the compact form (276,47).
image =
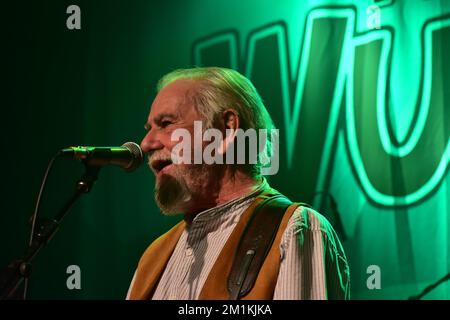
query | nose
(150,142)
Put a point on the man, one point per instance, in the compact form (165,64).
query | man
(194,259)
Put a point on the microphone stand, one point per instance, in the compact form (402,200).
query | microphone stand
(13,275)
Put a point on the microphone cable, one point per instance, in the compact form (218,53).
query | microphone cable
(36,211)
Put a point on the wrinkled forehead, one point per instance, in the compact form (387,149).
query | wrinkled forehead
(176,98)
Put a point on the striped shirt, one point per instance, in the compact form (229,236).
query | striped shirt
(312,261)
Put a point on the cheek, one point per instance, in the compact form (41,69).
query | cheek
(184,140)
(166,141)
(170,143)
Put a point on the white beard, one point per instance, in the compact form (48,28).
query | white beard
(172,194)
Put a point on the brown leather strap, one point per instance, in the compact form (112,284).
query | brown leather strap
(254,245)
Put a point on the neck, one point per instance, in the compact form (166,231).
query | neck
(235,185)
(231,185)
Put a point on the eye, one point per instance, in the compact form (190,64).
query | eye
(165,123)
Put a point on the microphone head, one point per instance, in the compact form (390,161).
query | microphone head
(137,155)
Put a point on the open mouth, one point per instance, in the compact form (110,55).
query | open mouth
(159,165)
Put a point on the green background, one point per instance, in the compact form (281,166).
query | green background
(94,86)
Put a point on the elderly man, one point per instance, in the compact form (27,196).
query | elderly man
(239,239)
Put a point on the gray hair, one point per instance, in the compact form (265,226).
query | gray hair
(221,89)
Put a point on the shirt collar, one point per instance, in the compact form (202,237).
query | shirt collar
(231,205)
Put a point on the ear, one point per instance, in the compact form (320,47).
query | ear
(230,120)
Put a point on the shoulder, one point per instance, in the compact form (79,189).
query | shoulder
(306,221)
(309,235)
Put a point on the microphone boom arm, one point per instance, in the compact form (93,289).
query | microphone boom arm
(13,275)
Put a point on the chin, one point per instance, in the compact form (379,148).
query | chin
(172,195)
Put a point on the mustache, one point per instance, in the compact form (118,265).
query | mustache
(156,158)
(159,156)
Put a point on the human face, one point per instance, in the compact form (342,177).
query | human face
(177,185)
(172,109)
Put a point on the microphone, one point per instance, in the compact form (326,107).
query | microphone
(129,156)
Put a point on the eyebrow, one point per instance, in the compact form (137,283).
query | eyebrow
(158,119)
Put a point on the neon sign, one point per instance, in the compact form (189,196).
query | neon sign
(350,82)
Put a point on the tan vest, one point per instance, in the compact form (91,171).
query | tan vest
(155,258)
